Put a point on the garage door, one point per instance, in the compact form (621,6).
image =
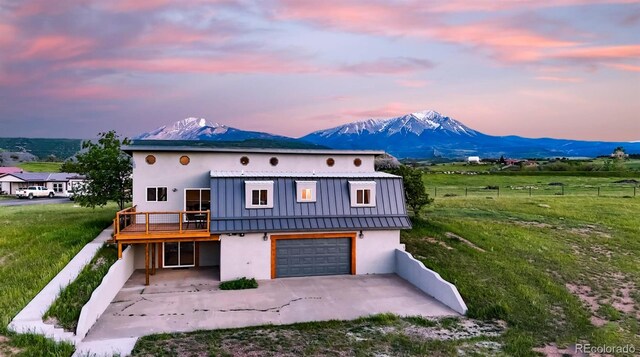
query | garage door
(313,256)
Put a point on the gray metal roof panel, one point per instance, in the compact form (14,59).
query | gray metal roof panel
(252,225)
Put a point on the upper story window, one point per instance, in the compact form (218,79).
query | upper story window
(156,194)
(150,159)
(306,191)
(363,193)
(258,194)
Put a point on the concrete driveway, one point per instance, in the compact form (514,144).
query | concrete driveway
(35,201)
(187,300)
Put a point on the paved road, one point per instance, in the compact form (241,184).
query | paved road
(35,201)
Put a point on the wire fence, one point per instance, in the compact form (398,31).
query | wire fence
(534,190)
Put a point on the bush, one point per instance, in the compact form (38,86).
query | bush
(239,284)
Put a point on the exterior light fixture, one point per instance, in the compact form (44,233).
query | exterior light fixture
(361,235)
(175,189)
(241,234)
(265,237)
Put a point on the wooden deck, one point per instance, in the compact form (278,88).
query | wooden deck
(165,227)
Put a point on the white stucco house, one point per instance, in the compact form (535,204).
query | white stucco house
(261,213)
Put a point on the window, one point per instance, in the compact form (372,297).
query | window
(258,194)
(244,161)
(357,162)
(197,199)
(331,162)
(273,161)
(306,191)
(185,160)
(57,187)
(259,197)
(156,194)
(363,193)
(150,159)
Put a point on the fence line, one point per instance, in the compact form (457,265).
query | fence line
(534,190)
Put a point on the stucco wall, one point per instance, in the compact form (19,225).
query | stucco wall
(248,256)
(375,253)
(168,172)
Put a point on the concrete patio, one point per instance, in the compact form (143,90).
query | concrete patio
(189,299)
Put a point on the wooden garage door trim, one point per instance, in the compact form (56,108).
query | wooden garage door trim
(275,238)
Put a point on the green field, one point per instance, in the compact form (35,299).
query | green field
(36,242)
(486,185)
(40,166)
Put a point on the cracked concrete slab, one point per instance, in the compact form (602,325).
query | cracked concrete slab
(187,300)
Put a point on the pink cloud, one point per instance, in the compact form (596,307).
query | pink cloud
(78,91)
(559,79)
(625,67)
(55,47)
(389,66)
(391,109)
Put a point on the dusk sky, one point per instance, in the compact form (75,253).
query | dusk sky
(563,68)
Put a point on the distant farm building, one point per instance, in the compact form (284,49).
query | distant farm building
(473,159)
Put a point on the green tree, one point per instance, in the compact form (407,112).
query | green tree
(107,169)
(414,189)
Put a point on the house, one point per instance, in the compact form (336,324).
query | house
(261,213)
(59,182)
(473,160)
(10,170)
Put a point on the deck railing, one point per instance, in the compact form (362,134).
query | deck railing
(130,221)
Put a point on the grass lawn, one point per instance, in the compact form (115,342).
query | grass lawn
(65,311)
(36,242)
(40,166)
(557,270)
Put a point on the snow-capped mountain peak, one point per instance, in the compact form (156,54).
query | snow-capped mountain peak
(193,128)
(415,123)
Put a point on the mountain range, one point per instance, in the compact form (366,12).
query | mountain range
(424,134)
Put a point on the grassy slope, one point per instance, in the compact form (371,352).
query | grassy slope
(36,242)
(65,311)
(40,166)
(522,275)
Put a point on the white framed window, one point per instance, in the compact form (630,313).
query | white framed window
(57,187)
(363,193)
(258,194)
(306,191)
(156,194)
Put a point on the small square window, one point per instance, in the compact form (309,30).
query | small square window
(259,194)
(306,191)
(363,193)
(259,197)
(156,194)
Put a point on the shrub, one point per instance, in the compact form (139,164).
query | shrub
(239,284)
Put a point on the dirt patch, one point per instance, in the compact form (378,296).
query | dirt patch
(622,300)
(6,349)
(451,235)
(464,329)
(438,242)
(552,350)
(584,293)
(589,230)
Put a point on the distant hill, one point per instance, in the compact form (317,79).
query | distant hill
(42,148)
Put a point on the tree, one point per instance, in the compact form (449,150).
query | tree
(107,169)
(414,190)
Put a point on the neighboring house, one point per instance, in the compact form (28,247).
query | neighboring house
(10,170)
(59,182)
(473,159)
(619,154)
(262,213)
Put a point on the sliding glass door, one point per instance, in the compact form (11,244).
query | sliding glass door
(178,254)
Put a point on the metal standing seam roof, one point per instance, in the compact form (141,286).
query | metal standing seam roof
(332,210)
(44,176)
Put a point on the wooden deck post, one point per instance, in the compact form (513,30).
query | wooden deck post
(119,250)
(153,258)
(146,264)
